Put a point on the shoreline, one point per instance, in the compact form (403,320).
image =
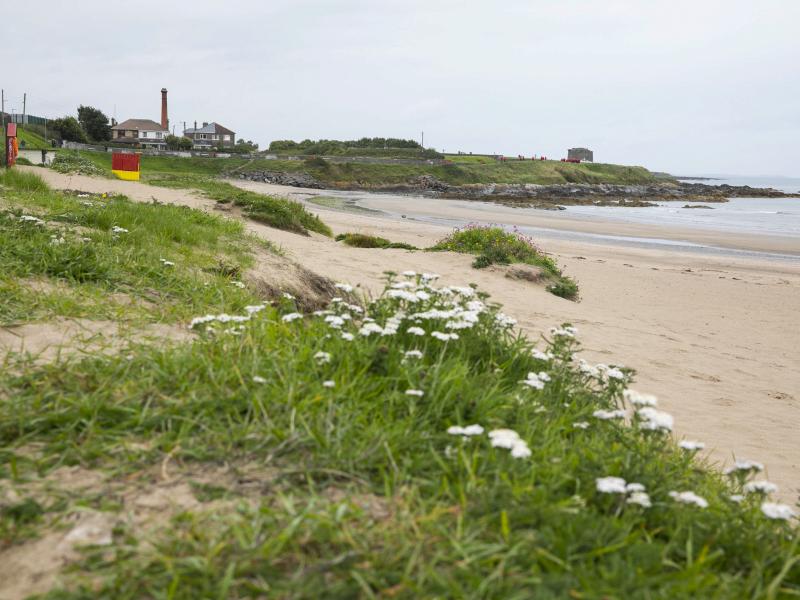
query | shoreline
(394,206)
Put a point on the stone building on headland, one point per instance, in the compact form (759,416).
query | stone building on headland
(582,154)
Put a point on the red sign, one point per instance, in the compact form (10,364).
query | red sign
(11,130)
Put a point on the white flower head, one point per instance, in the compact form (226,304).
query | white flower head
(413,354)
(444,336)
(117,229)
(409,273)
(348,337)
(689,498)
(417,393)
(610,485)
(429,276)
(781,512)
(607,415)
(691,445)
(614,373)
(467,431)
(640,498)
(655,420)
(345,287)
(744,466)
(634,487)
(288,296)
(322,358)
(736,498)
(259,379)
(639,399)
(581,425)
(538,354)
(329,383)
(503,438)
(291,317)
(760,487)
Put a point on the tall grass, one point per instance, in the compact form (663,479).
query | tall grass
(367,490)
(22,181)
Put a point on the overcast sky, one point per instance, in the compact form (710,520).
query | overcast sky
(684,86)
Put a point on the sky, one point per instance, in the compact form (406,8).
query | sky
(686,87)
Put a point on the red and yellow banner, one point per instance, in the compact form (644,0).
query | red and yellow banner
(125,166)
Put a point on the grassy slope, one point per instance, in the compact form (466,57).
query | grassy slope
(344,174)
(92,262)
(33,141)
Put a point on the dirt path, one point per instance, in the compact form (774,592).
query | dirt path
(714,338)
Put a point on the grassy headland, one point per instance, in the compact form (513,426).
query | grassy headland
(364,174)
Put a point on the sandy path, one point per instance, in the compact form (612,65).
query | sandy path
(715,338)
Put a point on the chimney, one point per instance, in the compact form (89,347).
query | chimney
(205,124)
(164,119)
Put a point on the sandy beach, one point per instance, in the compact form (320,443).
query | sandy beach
(714,337)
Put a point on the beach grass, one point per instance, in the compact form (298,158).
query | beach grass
(493,245)
(361,240)
(87,256)
(415,446)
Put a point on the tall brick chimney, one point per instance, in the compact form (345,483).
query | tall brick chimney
(164,119)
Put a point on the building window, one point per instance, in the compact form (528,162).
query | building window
(159,134)
(226,137)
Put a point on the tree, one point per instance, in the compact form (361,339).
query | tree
(184,143)
(94,123)
(248,146)
(175,142)
(69,129)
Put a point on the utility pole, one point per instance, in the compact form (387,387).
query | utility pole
(3,123)
(24,103)
(423,141)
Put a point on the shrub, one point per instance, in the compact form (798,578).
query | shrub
(73,163)
(361,240)
(494,245)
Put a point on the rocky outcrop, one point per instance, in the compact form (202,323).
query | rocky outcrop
(550,197)
(283,178)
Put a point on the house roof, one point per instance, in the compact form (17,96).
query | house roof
(140,124)
(211,128)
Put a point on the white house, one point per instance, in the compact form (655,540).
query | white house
(142,133)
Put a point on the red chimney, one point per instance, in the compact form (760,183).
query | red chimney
(164,119)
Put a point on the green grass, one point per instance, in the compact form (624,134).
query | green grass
(363,491)
(360,240)
(494,245)
(33,141)
(366,174)
(280,213)
(75,249)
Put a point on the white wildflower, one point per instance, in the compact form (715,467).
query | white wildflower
(760,487)
(503,438)
(639,399)
(640,498)
(520,450)
(345,287)
(656,420)
(402,285)
(288,296)
(409,274)
(422,295)
(607,415)
(773,510)
(167,263)
(691,445)
(610,485)
(429,276)
(736,498)
(348,337)
(444,336)
(634,487)
(581,425)
(259,379)
(329,383)
(238,284)
(291,317)
(744,465)
(417,393)
(335,321)
(614,373)
(413,354)
(538,354)
(403,295)
(56,241)
(467,431)
(689,498)
(505,321)
(322,358)
(117,229)
(254,308)
(369,328)
(568,332)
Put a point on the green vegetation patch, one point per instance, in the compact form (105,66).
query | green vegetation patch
(415,448)
(494,245)
(73,163)
(63,255)
(361,240)
(280,213)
